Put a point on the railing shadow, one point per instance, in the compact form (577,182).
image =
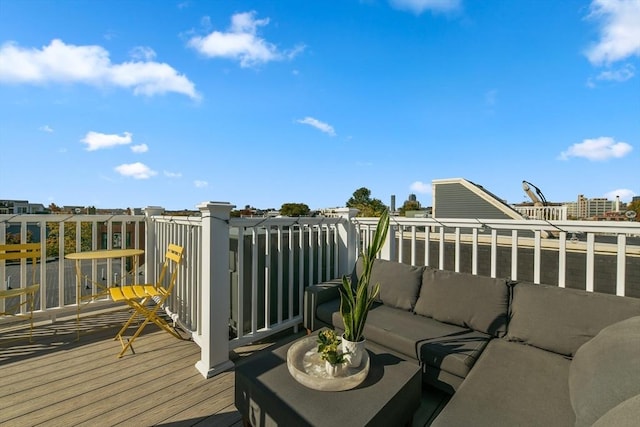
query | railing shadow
(62,336)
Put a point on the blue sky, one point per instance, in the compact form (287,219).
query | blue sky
(171,103)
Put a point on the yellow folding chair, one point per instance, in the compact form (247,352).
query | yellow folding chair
(20,302)
(147,300)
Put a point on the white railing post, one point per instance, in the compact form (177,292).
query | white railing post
(150,244)
(347,250)
(215,293)
(389,250)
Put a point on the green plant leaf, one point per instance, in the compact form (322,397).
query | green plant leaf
(356,303)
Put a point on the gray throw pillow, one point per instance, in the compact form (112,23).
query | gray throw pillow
(605,371)
(476,302)
(399,283)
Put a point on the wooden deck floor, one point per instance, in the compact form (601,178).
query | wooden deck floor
(58,381)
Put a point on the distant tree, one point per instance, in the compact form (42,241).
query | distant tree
(247,211)
(294,209)
(409,205)
(635,206)
(53,238)
(54,208)
(14,238)
(367,206)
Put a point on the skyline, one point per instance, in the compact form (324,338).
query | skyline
(260,103)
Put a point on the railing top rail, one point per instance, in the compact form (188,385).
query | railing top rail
(178,219)
(69,217)
(283,221)
(616,227)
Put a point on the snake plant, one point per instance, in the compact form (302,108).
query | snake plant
(357,298)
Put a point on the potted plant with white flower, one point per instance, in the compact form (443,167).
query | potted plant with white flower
(330,351)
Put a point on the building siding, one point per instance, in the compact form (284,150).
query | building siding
(454,200)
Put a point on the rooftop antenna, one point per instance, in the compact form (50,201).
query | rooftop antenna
(538,199)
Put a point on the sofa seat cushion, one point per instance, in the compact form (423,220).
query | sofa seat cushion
(475,302)
(399,283)
(561,320)
(512,385)
(606,371)
(439,345)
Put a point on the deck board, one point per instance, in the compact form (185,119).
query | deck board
(58,380)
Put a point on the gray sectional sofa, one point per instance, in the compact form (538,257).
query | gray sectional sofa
(509,353)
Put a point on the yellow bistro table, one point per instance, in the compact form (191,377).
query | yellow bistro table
(78,257)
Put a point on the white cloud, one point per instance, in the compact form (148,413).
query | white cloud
(46,128)
(97,140)
(172,174)
(323,127)
(200,184)
(419,6)
(65,63)
(491,97)
(135,170)
(621,74)
(625,194)
(142,53)
(420,187)
(619,22)
(602,148)
(242,43)
(140,148)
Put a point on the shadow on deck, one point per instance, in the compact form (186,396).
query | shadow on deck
(58,380)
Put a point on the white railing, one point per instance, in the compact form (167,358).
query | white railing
(80,233)
(517,249)
(549,213)
(272,260)
(183,305)
(243,278)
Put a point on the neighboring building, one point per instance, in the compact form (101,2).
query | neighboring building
(550,211)
(460,198)
(572,210)
(422,213)
(20,207)
(595,208)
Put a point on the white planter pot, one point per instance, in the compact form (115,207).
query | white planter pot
(332,370)
(353,351)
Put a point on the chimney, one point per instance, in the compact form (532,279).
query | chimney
(617,203)
(393,203)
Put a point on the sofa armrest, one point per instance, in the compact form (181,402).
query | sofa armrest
(314,296)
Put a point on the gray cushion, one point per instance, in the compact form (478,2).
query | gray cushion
(326,311)
(561,320)
(605,371)
(399,283)
(476,302)
(439,345)
(512,385)
(626,414)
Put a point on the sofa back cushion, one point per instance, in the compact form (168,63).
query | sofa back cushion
(477,302)
(561,320)
(399,283)
(606,372)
